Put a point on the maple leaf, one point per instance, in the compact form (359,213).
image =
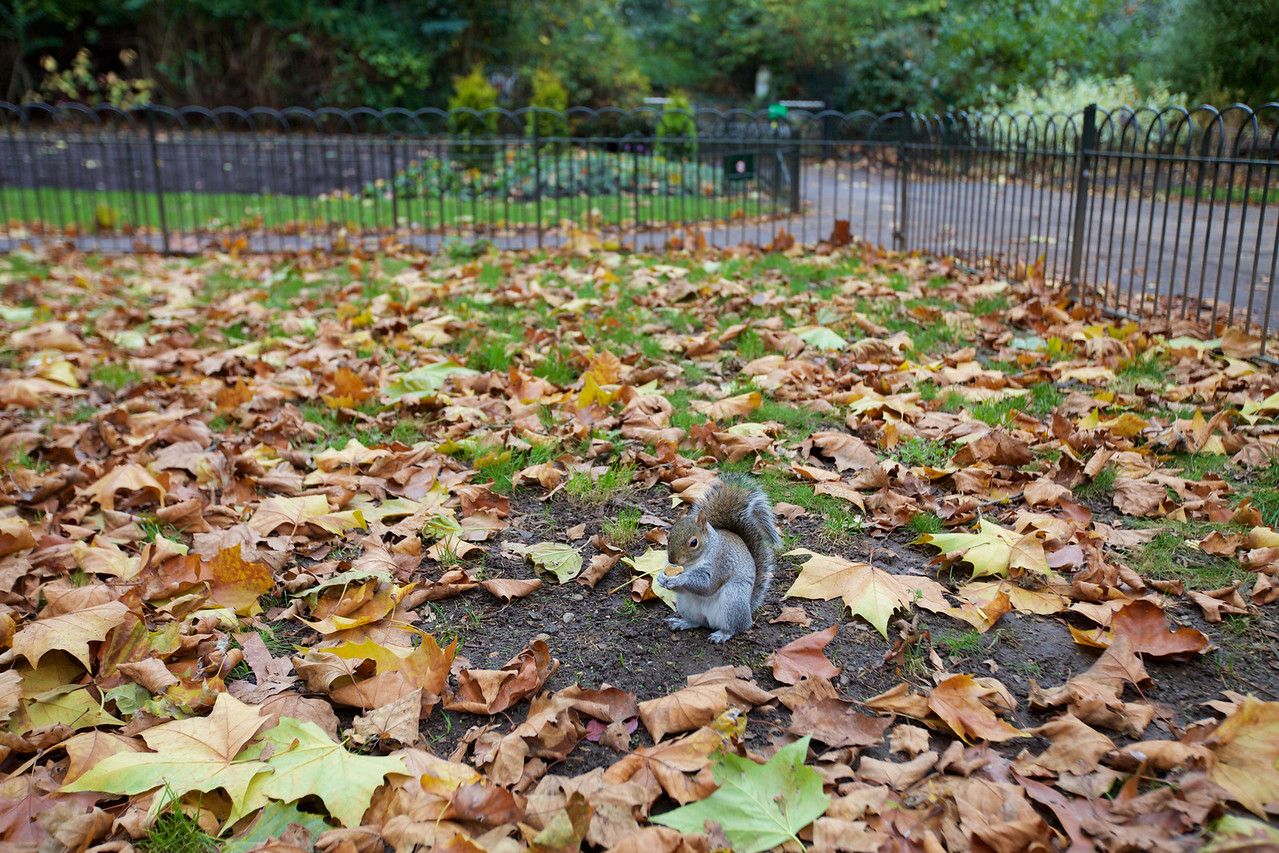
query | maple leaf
(70,632)
(238,583)
(296,513)
(706,697)
(758,806)
(132,477)
(958,701)
(993,550)
(424,382)
(559,559)
(307,762)
(1246,745)
(199,754)
(871,593)
(803,658)
(1144,623)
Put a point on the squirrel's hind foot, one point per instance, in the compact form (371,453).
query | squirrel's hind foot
(675,623)
(721,636)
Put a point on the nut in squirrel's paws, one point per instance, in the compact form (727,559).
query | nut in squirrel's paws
(673,571)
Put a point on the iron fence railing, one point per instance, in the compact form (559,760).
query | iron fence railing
(1171,211)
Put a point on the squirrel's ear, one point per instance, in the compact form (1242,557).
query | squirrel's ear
(702,520)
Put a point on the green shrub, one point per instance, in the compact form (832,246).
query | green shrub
(548,94)
(473,92)
(676,130)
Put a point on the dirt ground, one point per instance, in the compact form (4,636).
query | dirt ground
(600,636)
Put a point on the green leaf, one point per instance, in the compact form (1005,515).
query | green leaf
(197,754)
(425,381)
(988,551)
(272,822)
(759,806)
(559,559)
(306,761)
(820,337)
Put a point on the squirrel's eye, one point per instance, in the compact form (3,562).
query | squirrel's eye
(692,543)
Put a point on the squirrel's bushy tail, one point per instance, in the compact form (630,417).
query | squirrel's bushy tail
(736,503)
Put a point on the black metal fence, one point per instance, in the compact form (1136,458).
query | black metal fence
(1170,211)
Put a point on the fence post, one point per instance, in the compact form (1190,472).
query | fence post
(155,171)
(794,167)
(1084,151)
(537,173)
(903,180)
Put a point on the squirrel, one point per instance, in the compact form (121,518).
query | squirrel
(727,546)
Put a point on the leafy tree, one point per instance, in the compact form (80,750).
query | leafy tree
(992,46)
(1222,50)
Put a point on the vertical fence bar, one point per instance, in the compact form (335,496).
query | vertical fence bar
(1083,183)
(159,185)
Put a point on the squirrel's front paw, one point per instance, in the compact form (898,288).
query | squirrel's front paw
(675,623)
(667,582)
(720,636)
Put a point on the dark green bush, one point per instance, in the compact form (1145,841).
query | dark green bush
(549,94)
(676,130)
(473,92)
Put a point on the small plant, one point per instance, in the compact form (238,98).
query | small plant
(624,529)
(962,645)
(750,346)
(22,458)
(917,452)
(176,832)
(1044,399)
(998,412)
(925,522)
(1098,487)
(583,490)
(493,354)
(114,376)
(843,526)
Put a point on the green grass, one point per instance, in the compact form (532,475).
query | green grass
(963,645)
(1169,557)
(917,452)
(844,524)
(624,529)
(997,412)
(175,832)
(1098,487)
(1144,368)
(925,522)
(1263,490)
(582,489)
(800,422)
(1044,399)
(114,376)
(109,211)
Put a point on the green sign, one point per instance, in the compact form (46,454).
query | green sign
(776,111)
(739,167)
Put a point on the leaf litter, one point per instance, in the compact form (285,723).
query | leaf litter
(271,531)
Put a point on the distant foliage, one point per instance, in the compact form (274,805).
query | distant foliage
(473,92)
(887,73)
(677,130)
(1062,95)
(83,84)
(549,94)
(563,175)
(1222,50)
